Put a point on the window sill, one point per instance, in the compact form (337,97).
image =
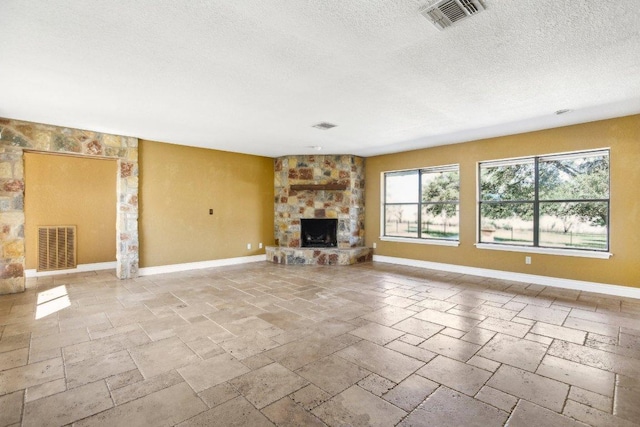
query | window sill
(420,241)
(546,251)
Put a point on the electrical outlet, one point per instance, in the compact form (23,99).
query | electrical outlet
(260,245)
(527,260)
(375,245)
(248,245)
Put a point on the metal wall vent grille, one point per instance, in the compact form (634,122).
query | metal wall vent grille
(56,247)
(445,13)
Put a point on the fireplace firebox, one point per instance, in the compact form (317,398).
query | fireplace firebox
(318,233)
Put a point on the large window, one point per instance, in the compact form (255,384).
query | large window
(556,201)
(422,203)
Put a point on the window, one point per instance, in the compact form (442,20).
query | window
(556,201)
(422,204)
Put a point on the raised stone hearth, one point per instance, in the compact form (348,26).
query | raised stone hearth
(319,256)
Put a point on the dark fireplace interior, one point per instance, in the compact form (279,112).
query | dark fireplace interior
(319,233)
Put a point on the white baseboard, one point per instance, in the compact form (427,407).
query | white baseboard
(79,269)
(601,288)
(174,268)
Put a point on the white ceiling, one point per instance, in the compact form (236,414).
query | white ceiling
(253,76)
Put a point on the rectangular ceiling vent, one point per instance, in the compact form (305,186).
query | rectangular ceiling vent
(56,247)
(445,13)
(324,126)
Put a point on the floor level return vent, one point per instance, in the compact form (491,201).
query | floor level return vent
(56,247)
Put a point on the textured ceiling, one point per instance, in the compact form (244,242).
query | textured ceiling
(253,76)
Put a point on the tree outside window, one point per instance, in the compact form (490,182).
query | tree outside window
(559,201)
(422,203)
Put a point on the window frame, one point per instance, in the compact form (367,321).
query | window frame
(419,204)
(535,247)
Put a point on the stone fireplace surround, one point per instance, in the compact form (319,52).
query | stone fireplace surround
(324,186)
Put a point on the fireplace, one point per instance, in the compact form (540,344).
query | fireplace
(318,233)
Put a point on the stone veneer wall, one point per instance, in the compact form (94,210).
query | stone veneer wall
(17,136)
(345,205)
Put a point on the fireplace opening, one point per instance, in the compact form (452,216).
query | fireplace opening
(319,233)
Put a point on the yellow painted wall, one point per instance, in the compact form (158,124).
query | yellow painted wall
(178,186)
(622,135)
(67,190)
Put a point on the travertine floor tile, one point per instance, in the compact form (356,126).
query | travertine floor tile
(505,327)
(29,375)
(380,360)
(234,413)
(166,407)
(537,389)
(357,407)
(376,333)
(11,408)
(286,413)
(594,417)
(496,398)
(626,403)
(513,351)
(589,398)
(456,375)
(411,392)
(161,356)
(553,316)
(418,327)
(450,347)
(69,406)
(333,374)
(573,373)
(445,319)
(446,407)
(267,384)
(527,414)
(553,331)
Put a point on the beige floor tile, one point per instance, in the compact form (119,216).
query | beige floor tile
(69,406)
(389,315)
(376,333)
(248,345)
(589,398)
(590,326)
(409,393)
(446,319)
(596,358)
(496,312)
(418,327)
(513,351)
(43,390)
(380,360)
(497,398)
(376,384)
(59,340)
(357,407)
(559,332)
(98,347)
(296,354)
(411,351)
(98,368)
(627,398)
(553,316)
(14,342)
(161,356)
(594,417)
(435,304)
(333,374)
(30,375)
(218,394)
(14,358)
(286,413)
(11,408)
(537,389)
(208,373)
(478,336)
(166,407)
(124,379)
(446,407)
(505,327)
(310,396)
(234,413)
(586,377)
(456,375)
(142,388)
(450,347)
(527,414)
(267,384)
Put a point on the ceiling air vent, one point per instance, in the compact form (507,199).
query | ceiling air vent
(445,13)
(324,126)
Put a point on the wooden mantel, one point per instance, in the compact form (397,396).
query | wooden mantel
(318,187)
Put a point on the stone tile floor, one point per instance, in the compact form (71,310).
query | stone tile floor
(367,345)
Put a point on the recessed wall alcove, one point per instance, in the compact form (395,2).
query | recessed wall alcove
(16,137)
